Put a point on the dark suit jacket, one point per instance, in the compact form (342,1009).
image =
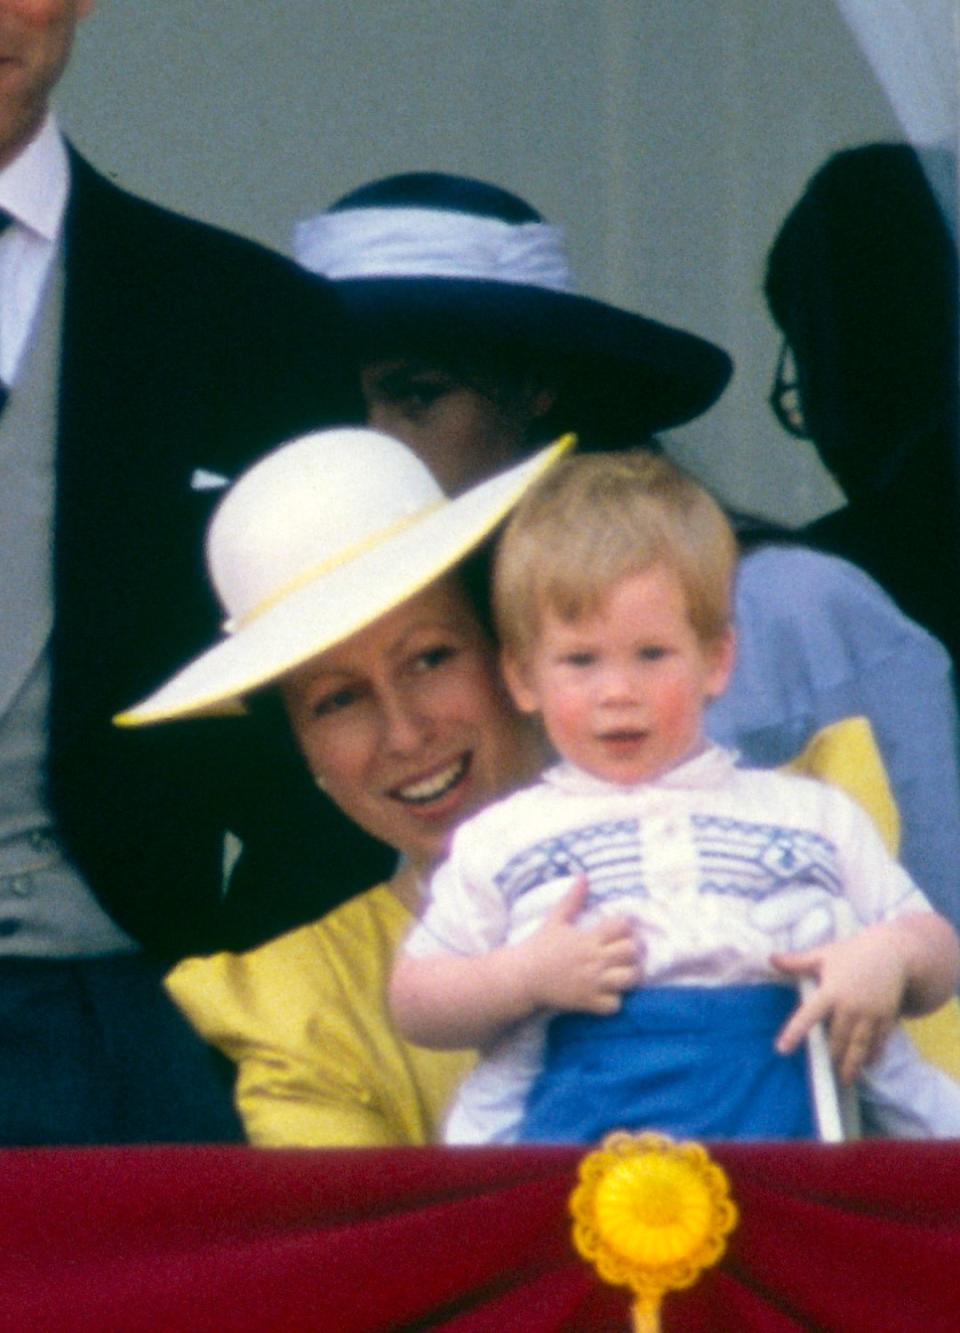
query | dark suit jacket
(183,347)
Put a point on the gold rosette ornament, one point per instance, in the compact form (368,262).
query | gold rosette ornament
(650,1214)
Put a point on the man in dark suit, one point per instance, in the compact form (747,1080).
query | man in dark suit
(147,359)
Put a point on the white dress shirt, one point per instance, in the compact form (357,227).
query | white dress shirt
(33,190)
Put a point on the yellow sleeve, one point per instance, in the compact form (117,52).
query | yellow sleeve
(288,1101)
(258,1009)
(304,1019)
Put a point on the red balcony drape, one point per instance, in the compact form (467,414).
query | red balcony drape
(863,1236)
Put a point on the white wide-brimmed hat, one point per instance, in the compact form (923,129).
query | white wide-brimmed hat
(317,540)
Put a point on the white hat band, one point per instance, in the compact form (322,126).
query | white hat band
(427,243)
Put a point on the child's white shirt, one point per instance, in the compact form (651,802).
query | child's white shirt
(720,866)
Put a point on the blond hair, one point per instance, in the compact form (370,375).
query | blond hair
(596,518)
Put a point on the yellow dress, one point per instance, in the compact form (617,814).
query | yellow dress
(304,1018)
(846,754)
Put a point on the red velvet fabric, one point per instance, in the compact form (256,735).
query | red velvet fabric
(864,1236)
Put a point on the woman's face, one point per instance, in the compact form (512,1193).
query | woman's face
(463,430)
(406,725)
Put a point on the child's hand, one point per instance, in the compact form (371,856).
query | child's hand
(580,968)
(860,991)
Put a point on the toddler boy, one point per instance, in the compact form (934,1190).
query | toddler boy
(656,898)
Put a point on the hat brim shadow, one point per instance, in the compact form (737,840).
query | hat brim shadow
(655,376)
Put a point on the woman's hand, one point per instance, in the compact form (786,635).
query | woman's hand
(585,969)
(859,993)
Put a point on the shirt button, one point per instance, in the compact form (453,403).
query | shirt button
(21,886)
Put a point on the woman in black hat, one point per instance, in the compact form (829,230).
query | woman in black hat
(475,347)
(475,344)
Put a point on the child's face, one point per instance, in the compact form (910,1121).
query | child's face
(622,691)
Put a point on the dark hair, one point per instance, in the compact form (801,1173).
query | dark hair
(474,574)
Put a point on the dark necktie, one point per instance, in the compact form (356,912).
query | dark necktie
(5,220)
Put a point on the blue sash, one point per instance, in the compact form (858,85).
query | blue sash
(692,1061)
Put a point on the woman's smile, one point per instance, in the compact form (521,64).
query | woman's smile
(440,782)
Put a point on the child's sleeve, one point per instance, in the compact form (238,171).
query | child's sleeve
(877,885)
(466,913)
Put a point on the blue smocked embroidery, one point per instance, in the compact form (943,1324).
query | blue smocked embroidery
(608,853)
(755,860)
(734,857)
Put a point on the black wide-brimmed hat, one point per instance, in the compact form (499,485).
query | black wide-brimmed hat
(440,260)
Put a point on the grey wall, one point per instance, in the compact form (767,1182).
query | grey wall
(669,136)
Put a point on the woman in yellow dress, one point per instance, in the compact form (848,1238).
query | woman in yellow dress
(339,563)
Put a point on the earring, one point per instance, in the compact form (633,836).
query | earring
(319,781)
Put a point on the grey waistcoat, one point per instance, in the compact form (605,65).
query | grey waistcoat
(46,909)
